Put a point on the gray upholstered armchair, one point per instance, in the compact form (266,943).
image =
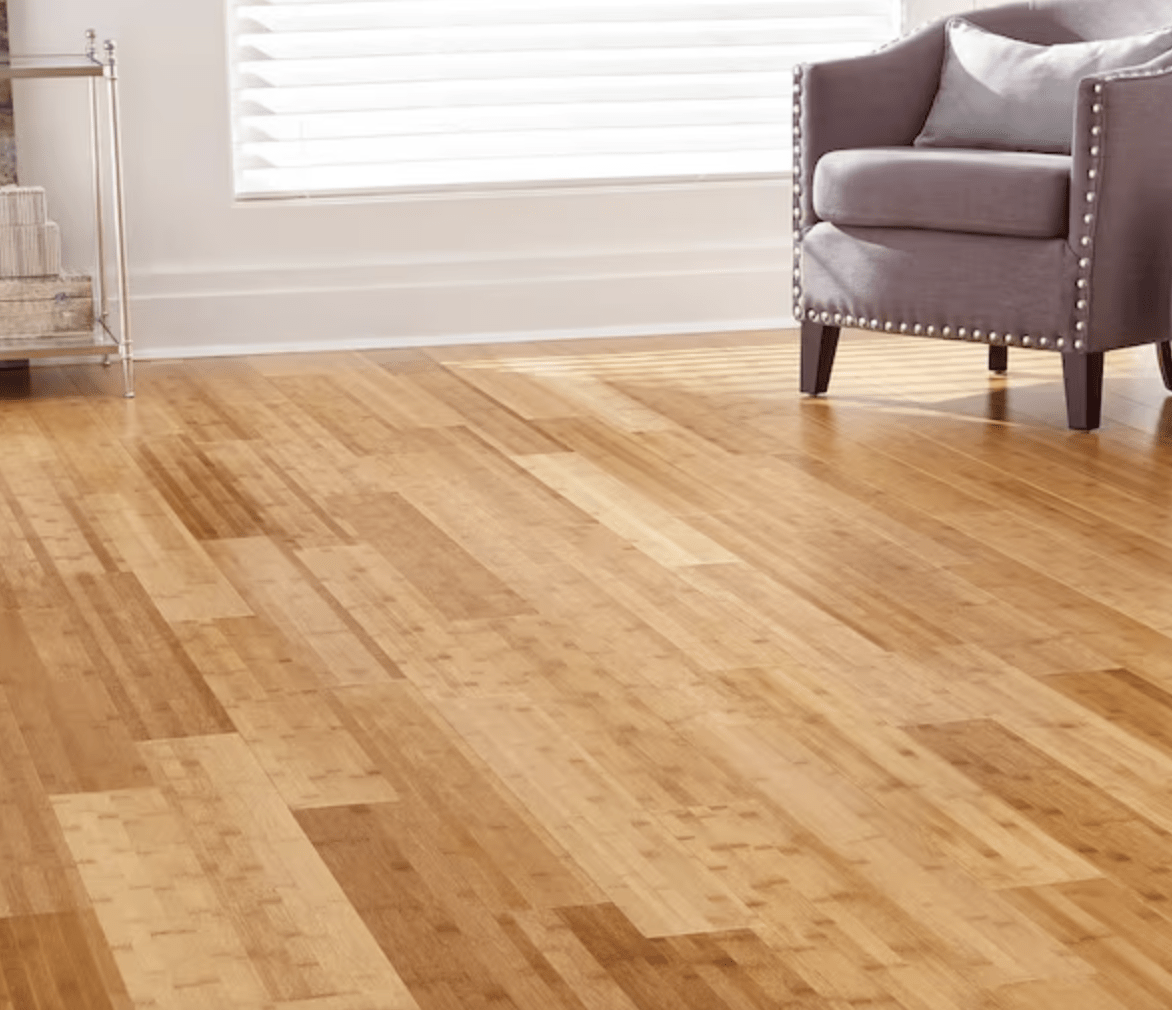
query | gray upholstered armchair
(1066,251)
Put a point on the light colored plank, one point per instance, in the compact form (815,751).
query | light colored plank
(209,890)
(287,595)
(49,506)
(974,924)
(173,942)
(308,754)
(445,656)
(1106,831)
(609,835)
(147,539)
(632,515)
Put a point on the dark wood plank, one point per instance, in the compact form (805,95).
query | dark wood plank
(156,688)
(37,873)
(715,971)
(1121,843)
(57,962)
(74,732)
(440,568)
(209,500)
(451,954)
(1130,702)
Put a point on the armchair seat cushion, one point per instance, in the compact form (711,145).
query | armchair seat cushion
(1009,193)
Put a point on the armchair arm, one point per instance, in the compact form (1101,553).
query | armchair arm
(878,100)
(1121,207)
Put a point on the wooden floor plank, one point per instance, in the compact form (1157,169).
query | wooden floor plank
(632,515)
(152,543)
(285,512)
(75,734)
(1120,935)
(1106,832)
(48,506)
(157,689)
(435,564)
(449,954)
(37,875)
(489,418)
(307,752)
(233,880)
(1130,702)
(451,804)
(202,494)
(444,655)
(57,961)
(287,594)
(971,926)
(628,854)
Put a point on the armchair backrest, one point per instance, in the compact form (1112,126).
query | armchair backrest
(1047,22)
(883,99)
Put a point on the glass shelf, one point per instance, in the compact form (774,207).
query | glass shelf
(15,67)
(99,340)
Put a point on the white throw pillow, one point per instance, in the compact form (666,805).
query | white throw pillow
(998,92)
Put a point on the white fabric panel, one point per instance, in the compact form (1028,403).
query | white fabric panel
(337,96)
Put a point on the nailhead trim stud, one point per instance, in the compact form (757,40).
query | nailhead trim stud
(1085,241)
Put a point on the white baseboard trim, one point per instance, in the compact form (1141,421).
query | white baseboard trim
(189,314)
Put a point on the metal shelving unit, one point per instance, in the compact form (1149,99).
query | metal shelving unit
(111,334)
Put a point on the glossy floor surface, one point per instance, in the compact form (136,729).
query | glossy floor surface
(593,676)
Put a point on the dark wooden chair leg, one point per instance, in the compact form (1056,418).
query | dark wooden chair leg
(998,358)
(819,343)
(1083,375)
(1164,353)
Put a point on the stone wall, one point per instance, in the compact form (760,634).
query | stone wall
(7,137)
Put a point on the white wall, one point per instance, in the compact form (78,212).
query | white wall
(918,12)
(210,275)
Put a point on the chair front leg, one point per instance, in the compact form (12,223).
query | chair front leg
(1083,377)
(819,343)
(1164,354)
(998,358)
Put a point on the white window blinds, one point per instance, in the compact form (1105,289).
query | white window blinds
(343,96)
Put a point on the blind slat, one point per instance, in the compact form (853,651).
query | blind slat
(553,116)
(553,38)
(354,95)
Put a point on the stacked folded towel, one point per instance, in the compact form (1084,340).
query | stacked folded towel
(30,244)
(36,298)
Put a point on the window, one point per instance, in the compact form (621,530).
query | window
(344,96)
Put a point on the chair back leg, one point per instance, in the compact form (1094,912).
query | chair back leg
(819,342)
(1083,377)
(1164,353)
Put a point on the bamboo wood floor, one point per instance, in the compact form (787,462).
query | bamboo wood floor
(593,676)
